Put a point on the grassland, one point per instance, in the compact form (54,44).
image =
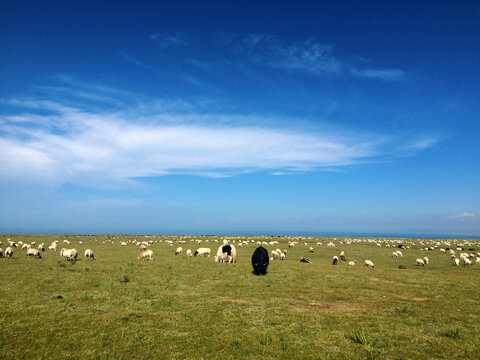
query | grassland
(178,308)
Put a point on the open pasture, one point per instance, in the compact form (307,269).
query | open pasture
(174,307)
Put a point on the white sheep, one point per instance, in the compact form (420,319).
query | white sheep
(179,250)
(143,247)
(33,252)
(41,247)
(467,262)
(8,252)
(369,263)
(53,247)
(420,262)
(202,252)
(189,253)
(89,255)
(457,262)
(352,263)
(275,255)
(425,259)
(146,254)
(394,254)
(68,254)
(335,260)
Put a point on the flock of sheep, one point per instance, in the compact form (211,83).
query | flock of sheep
(227,251)
(31,251)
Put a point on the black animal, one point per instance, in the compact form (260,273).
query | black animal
(400,246)
(304,260)
(260,261)
(402,267)
(227,249)
(343,258)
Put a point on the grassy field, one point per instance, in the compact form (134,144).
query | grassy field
(178,308)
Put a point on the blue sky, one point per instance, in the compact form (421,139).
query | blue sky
(298,117)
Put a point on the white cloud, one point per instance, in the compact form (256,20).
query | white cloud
(67,143)
(381,74)
(311,57)
(463,215)
(169,40)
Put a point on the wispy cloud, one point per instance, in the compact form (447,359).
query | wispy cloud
(169,40)
(464,215)
(381,74)
(311,57)
(160,137)
(133,60)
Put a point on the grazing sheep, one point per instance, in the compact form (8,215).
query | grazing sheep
(399,253)
(425,259)
(33,252)
(457,262)
(143,247)
(146,254)
(335,260)
(89,255)
(282,256)
(41,247)
(8,252)
(202,252)
(369,263)
(260,261)
(1,253)
(179,250)
(275,255)
(226,252)
(189,253)
(420,262)
(53,247)
(311,249)
(123,243)
(394,254)
(352,263)
(467,262)
(304,260)
(342,256)
(68,254)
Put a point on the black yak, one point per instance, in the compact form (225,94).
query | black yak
(260,261)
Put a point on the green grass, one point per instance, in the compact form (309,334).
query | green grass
(117,307)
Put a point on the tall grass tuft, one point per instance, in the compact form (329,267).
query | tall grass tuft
(370,343)
(453,333)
